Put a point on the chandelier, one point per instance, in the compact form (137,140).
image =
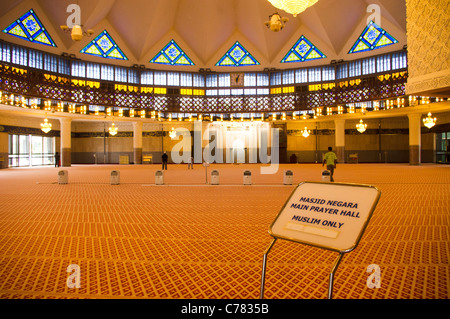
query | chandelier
(112,130)
(361,127)
(77,32)
(46,126)
(305,132)
(293,7)
(276,22)
(429,121)
(172,133)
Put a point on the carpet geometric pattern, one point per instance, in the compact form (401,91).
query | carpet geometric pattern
(189,239)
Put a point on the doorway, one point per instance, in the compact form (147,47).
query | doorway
(31,150)
(239,151)
(443,148)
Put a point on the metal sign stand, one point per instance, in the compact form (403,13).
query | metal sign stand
(293,222)
(206,164)
(331,277)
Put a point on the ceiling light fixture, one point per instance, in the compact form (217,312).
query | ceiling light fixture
(429,121)
(293,7)
(77,32)
(46,126)
(172,133)
(305,132)
(305,117)
(361,127)
(113,129)
(276,22)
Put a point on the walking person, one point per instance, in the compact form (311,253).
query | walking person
(57,159)
(331,160)
(164,158)
(191,162)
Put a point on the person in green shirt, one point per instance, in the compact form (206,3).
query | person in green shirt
(331,160)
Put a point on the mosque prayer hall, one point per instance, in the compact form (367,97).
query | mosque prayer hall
(149,148)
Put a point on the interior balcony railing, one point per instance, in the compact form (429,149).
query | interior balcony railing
(40,80)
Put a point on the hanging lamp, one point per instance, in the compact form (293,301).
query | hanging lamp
(293,7)
(361,126)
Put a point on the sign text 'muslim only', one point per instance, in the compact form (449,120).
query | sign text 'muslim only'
(329,215)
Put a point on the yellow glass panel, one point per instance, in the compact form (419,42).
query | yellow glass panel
(275,91)
(288,89)
(160,90)
(315,87)
(146,90)
(186,91)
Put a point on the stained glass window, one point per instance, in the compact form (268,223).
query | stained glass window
(303,50)
(172,54)
(373,37)
(29,27)
(104,46)
(237,55)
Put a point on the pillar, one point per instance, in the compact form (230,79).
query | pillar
(339,132)
(414,138)
(66,141)
(137,142)
(4,150)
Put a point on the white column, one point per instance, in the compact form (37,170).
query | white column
(4,150)
(253,144)
(414,138)
(339,132)
(137,142)
(66,141)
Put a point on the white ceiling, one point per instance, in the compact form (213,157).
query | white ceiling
(206,29)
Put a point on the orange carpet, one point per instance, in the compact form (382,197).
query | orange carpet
(188,239)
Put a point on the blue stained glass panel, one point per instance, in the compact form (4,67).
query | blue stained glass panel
(105,47)
(31,25)
(373,37)
(30,28)
(105,43)
(237,55)
(172,54)
(303,50)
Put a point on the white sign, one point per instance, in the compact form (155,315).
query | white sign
(327,215)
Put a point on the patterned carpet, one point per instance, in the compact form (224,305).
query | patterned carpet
(191,240)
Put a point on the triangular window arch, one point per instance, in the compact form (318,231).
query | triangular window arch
(30,28)
(172,54)
(373,37)
(303,50)
(105,47)
(237,55)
